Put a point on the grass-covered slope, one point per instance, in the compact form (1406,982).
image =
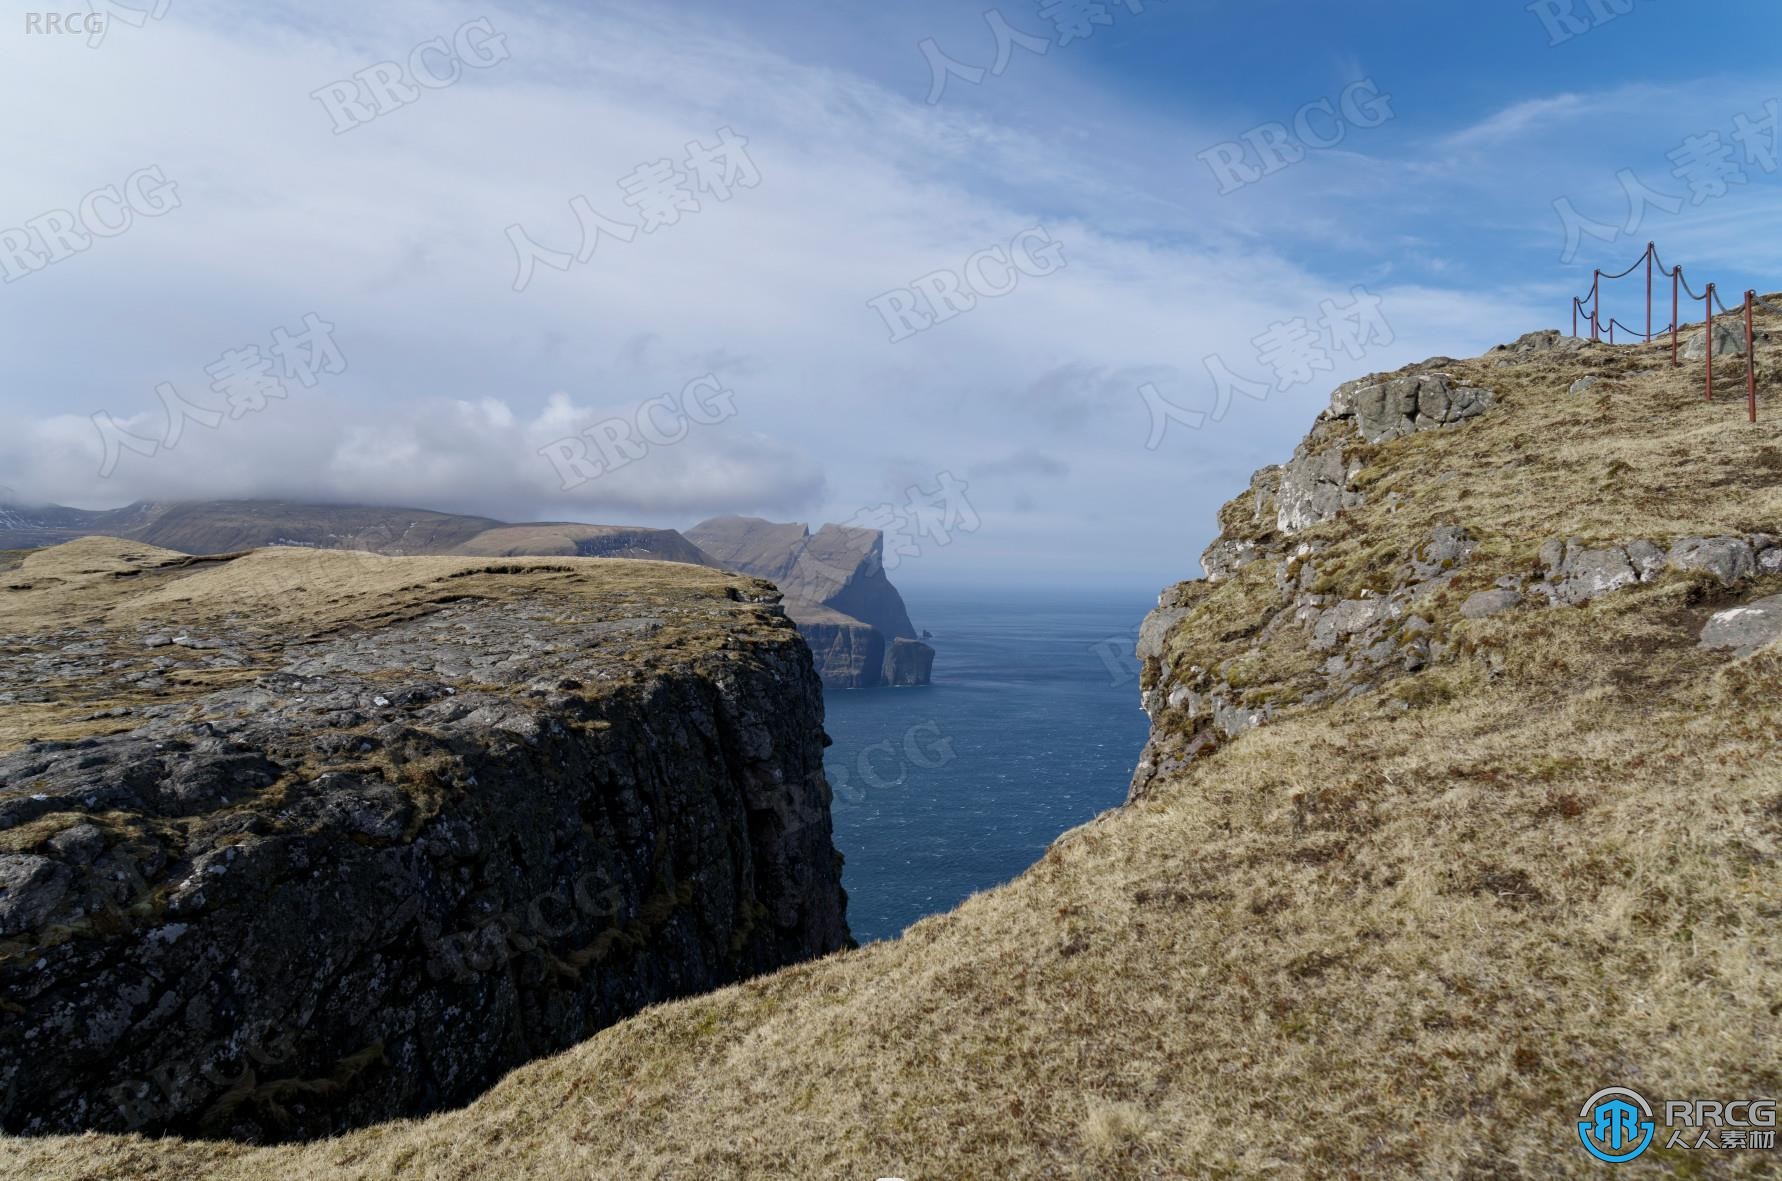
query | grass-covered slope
(1402,931)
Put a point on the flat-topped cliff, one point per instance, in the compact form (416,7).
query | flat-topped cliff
(836,589)
(295,840)
(859,631)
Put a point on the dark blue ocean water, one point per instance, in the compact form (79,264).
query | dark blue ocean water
(1032,726)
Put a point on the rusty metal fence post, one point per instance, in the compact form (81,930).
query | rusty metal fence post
(1708,339)
(1676,278)
(1679,286)
(1651,249)
(1750,359)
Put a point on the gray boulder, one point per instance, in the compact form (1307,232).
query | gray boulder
(1264,484)
(33,891)
(1576,574)
(1342,399)
(1744,630)
(1491,602)
(1234,719)
(1727,341)
(1547,340)
(1646,558)
(1727,558)
(1448,546)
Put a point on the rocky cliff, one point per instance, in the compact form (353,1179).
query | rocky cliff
(1296,610)
(293,841)
(836,588)
(847,653)
(1462,802)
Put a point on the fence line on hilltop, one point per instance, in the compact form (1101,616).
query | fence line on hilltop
(1709,299)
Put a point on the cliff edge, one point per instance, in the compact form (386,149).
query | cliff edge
(292,841)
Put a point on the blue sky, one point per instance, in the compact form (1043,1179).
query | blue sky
(1108,261)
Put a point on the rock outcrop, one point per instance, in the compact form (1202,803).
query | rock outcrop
(1328,622)
(908,662)
(1318,482)
(835,583)
(293,841)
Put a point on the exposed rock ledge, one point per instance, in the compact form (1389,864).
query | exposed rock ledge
(1316,484)
(1321,614)
(298,840)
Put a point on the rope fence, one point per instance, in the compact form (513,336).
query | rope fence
(1590,305)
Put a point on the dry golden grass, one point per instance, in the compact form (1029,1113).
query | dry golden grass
(1403,936)
(117,592)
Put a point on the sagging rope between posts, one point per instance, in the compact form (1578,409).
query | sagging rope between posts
(1679,287)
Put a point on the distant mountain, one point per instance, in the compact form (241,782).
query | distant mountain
(833,580)
(227,526)
(836,591)
(34,528)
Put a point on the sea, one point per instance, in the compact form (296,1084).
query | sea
(1031,726)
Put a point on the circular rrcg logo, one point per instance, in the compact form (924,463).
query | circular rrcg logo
(1615,1124)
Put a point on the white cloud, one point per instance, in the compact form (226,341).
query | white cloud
(1543,115)
(394,232)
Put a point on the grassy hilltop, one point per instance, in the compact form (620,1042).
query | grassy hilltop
(1401,930)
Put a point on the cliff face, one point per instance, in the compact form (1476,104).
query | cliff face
(908,662)
(835,584)
(848,653)
(295,841)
